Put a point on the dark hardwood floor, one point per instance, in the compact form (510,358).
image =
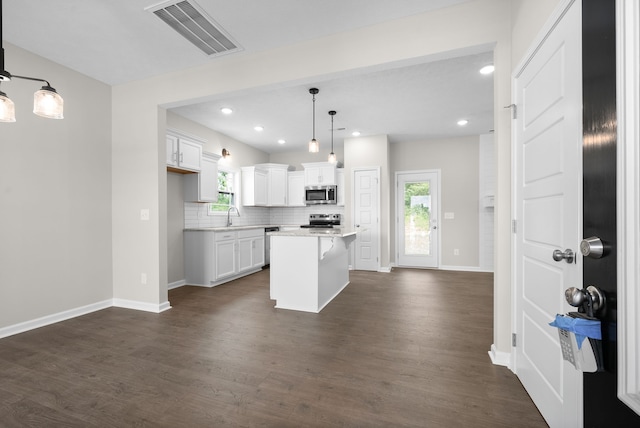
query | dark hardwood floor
(408,348)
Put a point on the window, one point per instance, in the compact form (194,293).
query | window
(226,194)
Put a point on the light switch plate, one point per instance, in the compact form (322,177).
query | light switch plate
(144,214)
(449,216)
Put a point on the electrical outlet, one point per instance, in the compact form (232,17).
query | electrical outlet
(449,216)
(144,214)
(143,278)
(456,252)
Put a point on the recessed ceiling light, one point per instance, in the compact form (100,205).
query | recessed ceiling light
(462,122)
(487,69)
(226,110)
(281,141)
(356,133)
(258,128)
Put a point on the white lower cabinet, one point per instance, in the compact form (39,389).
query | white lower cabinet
(225,254)
(215,257)
(250,250)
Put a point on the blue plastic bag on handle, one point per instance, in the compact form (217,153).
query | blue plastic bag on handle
(581,327)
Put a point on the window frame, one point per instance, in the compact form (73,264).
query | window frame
(234,192)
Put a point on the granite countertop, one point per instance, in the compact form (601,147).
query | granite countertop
(337,232)
(232,228)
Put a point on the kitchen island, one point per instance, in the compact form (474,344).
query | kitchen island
(309,267)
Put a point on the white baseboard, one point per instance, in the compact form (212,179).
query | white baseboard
(53,318)
(384,269)
(176,284)
(466,268)
(447,267)
(82,310)
(500,358)
(141,306)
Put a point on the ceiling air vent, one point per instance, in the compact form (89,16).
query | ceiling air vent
(192,23)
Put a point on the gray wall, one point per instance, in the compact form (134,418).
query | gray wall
(55,195)
(457,159)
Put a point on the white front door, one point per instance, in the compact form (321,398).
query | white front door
(417,201)
(548,215)
(366,188)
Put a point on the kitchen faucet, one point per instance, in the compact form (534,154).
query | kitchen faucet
(229,223)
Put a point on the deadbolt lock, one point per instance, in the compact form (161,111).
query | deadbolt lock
(592,247)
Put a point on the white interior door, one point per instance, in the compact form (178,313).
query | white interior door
(417,232)
(548,212)
(366,215)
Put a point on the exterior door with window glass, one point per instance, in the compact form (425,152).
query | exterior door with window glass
(417,218)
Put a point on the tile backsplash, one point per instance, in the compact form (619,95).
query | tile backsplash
(195,215)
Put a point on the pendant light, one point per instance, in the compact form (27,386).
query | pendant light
(314,146)
(46,102)
(332,156)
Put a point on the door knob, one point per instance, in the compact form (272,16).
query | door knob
(592,247)
(568,255)
(592,296)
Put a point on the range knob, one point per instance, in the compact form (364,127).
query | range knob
(592,247)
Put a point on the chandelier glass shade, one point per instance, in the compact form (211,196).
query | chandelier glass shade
(46,101)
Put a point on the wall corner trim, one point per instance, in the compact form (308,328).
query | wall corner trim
(500,358)
(141,306)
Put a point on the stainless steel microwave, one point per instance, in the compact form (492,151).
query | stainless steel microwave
(321,195)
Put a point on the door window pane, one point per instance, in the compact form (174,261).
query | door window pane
(417,218)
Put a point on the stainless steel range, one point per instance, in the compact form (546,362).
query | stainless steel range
(323,221)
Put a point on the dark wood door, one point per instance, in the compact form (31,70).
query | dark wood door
(601,405)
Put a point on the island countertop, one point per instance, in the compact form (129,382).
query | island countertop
(337,232)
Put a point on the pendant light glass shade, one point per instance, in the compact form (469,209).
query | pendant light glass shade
(7,109)
(48,103)
(314,147)
(333,158)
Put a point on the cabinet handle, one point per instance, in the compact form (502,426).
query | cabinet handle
(181,156)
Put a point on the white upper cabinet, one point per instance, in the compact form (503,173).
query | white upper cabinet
(254,186)
(183,152)
(319,173)
(203,186)
(265,185)
(295,189)
(277,184)
(340,184)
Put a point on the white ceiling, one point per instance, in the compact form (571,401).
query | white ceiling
(117,41)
